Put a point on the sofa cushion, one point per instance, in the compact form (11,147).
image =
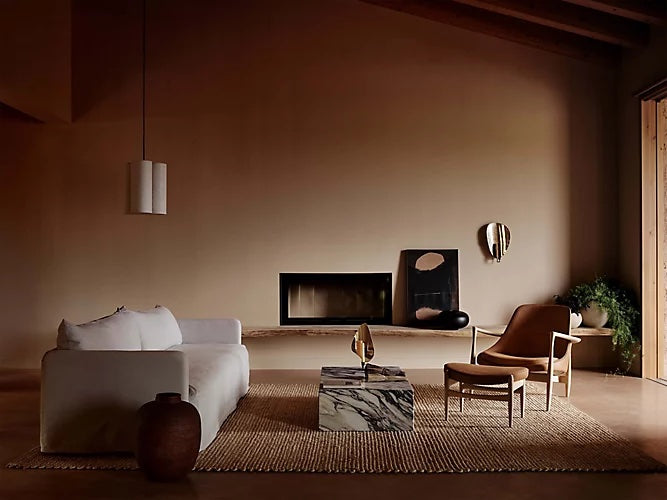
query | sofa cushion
(158,329)
(218,378)
(116,332)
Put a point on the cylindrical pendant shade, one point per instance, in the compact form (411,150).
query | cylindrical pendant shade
(141,187)
(159,188)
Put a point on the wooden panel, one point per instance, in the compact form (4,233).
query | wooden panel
(570,18)
(645,11)
(507,28)
(649,241)
(661,310)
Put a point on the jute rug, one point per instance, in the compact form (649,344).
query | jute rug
(275,429)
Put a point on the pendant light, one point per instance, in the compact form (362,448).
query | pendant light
(148,179)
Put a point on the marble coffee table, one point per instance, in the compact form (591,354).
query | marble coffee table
(349,402)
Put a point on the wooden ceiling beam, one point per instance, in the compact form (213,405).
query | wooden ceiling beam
(571,18)
(507,28)
(645,11)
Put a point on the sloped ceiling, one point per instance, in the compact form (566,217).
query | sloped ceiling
(586,29)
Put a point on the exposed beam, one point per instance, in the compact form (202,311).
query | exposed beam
(645,11)
(507,28)
(570,18)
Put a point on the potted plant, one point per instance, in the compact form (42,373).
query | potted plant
(604,301)
(575,307)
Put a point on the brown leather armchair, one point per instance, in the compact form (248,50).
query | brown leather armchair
(538,338)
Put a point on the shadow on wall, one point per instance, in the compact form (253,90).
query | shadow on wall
(100,72)
(483,245)
(593,184)
(26,210)
(10,114)
(399,313)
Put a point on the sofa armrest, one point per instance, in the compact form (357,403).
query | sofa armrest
(210,331)
(89,399)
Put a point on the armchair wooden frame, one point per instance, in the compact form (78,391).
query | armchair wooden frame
(549,376)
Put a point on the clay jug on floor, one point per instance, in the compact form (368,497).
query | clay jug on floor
(168,437)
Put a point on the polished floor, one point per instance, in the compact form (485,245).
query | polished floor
(633,407)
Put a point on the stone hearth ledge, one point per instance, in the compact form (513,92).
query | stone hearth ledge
(390,331)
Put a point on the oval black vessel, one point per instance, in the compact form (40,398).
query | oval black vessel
(446,320)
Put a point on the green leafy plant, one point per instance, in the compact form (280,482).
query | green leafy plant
(620,305)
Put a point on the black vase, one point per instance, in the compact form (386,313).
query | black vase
(446,320)
(453,320)
(168,437)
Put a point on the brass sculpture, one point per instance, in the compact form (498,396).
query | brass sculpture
(362,344)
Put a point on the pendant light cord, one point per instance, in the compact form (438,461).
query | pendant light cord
(143,83)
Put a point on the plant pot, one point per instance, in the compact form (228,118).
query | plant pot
(168,437)
(575,320)
(593,316)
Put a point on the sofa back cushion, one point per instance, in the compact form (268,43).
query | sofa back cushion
(158,329)
(116,332)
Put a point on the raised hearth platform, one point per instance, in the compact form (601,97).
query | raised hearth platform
(311,347)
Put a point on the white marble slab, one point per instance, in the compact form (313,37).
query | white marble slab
(350,402)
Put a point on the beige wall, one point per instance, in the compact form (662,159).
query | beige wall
(35,58)
(300,136)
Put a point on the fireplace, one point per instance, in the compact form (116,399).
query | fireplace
(335,298)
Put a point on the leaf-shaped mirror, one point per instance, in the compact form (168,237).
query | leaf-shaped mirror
(498,239)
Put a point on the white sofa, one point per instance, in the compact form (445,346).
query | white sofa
(103,371)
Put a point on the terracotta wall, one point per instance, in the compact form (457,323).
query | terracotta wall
(300,136)
(35,58)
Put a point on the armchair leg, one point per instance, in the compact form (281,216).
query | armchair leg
(568,383)
(510,400)
(461,390)
(550,386)
(446,396)
(523,399)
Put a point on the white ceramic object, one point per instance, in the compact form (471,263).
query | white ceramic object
(575,320)
(593,316)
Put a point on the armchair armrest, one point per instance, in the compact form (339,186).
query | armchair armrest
(570,338)
(210,331)
(552,345)
(486,332)
(89,399)
(473,346)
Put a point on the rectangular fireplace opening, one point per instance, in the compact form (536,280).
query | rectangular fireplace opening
(335,298)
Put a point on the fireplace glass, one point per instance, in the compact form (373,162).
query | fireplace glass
(335,298)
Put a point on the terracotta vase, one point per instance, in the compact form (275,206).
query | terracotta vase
(168,437)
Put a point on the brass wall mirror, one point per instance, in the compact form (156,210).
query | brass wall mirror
(498,239)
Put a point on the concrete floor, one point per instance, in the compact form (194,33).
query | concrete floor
(633,407)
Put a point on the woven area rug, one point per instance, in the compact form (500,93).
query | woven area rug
(275,429)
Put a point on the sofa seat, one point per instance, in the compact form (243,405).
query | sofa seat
(217,379)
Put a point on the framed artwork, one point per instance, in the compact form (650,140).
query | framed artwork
(432,283)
